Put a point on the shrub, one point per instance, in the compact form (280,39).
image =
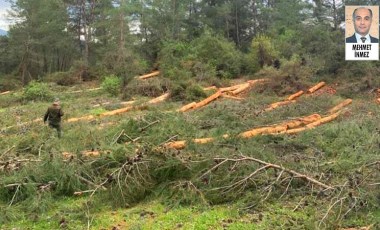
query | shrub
(62,78)
(171,55)
(218,53)
(262,52)
(111,84)
(37,91)
(187,91)
(149,88)
(8,82)
(205,57)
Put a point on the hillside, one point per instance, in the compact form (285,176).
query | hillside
(245,155)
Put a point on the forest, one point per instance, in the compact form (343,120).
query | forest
(187,114)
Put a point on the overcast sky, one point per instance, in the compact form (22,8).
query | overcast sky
(4,6)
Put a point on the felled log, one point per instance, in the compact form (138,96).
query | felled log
(84,118)
(67,155)
(235,89)
(105,103)
(316,87)
(232,97)
(203,140)
(242,88)
(294,96)
(207,100)
(85,90)
(274,129)
(277,104)
(127,102)
(187,107)
(263,130)
(5,92)
(302,121)
(161,98)
(182,144)
(149,75)
(116,111)
(230,88)
(252,82)
(91,153)
(340,106)
(176,144)
(210,88)
(313,124)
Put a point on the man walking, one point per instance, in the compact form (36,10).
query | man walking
(53,116)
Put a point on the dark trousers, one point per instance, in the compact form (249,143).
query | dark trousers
(57,127)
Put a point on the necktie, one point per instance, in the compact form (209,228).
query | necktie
(363,39)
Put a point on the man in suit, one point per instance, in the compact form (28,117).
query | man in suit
(362,18)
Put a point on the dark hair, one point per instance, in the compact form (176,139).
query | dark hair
(370,11)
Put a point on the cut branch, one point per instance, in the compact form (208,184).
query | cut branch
(270,165)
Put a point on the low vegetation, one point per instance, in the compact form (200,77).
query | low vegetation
(115,172)
(179,149)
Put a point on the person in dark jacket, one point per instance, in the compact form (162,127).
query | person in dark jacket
(53,116)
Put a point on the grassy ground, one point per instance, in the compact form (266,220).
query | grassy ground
(166,189)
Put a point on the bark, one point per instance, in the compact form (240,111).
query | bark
(316,87)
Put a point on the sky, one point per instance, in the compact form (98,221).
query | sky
(4,6)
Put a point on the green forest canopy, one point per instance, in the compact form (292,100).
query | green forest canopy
(224,38)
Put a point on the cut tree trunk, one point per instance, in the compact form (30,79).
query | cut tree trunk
(340,106)
(161,98)
(277,104)
(207,100)
(316,87)
(313,124)
(210,88)
(146,76)
(232,97)
(116,111)
(187,107)
(242,88)
(6,92)
(294,96)
(84,118)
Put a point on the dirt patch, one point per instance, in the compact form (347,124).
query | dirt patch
(325,90)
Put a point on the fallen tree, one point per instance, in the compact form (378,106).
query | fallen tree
(207,100)
(294,96)
(316,87)
(274,129)
(5,92)
(288,127)
(278,104)
(149,75)
(340,106)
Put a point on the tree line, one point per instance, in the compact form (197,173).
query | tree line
(128,37)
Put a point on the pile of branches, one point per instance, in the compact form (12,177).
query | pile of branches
(189,179)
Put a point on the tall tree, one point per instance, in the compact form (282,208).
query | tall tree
(330,12)
(40,37)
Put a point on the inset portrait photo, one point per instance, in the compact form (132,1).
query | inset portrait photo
(362,32)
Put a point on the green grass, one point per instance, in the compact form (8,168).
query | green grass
(165,190)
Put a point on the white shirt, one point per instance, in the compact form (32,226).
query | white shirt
(358,40)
